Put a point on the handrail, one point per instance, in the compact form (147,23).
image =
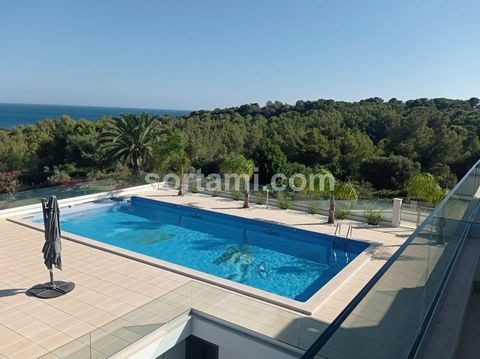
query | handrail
(313,350)
(349,233)
(338,229)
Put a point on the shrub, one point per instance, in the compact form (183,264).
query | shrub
(215,193)
(284,200)
(424,186)
(237,195)
(314,210)
(259,197)
(94,175)
(342,213)
(58,177)
(374,216)
(9,182)
(192,187)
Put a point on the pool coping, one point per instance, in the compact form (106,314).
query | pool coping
(306,308)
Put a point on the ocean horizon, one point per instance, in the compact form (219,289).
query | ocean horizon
(16,114)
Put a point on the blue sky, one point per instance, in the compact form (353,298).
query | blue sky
(204,54)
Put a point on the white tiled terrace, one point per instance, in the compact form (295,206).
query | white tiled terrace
(108,286)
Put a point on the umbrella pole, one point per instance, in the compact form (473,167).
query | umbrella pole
(52,283)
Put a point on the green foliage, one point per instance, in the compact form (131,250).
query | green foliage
(374,216)
(378,144)
(346,191)
(425,187)
(237,164)
(236,195)
(284,200)
(260,197)
(270,159)
(130,139)
(342,213)
(94,175)
(314,210)
(58,176)
(390,172)
(172,154)
(314,184)
(9,182)
(192,187)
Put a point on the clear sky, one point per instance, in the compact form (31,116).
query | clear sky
(197,54)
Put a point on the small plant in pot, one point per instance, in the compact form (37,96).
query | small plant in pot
(284,200)
(193,187)
(237,195)
(374,216)
(342,213)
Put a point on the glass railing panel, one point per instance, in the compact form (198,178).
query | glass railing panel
(226,307)
(388,320)
(254,315)
(459,203)
(28,197)
(124,331)
(388,310)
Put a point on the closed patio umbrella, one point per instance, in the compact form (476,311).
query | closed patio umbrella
(52,250)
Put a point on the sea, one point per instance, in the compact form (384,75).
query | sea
(12,115)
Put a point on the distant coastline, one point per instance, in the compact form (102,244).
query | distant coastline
(12,114)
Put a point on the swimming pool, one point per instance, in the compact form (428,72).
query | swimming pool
(282,260)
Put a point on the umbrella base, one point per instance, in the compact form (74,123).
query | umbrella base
(46,291)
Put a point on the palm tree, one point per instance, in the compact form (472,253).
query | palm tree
(424,186)
(244,168)
(172,154)
(130,138)
(343,190)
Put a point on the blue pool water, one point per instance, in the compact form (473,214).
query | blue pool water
(282,260)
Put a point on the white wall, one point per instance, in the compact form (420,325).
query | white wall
(236,345)
(233,344)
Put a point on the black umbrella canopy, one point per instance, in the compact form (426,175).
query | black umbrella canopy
(52,248)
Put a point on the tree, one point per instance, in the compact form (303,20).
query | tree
(172,154)
(343,190)
(328,186)
(270,160)
(355,147)
(244,168)
(130,139)
(425,187)
(346,190)
(390,172)
(359,140)
(9,183)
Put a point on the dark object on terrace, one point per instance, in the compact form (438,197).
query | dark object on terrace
(52,250)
